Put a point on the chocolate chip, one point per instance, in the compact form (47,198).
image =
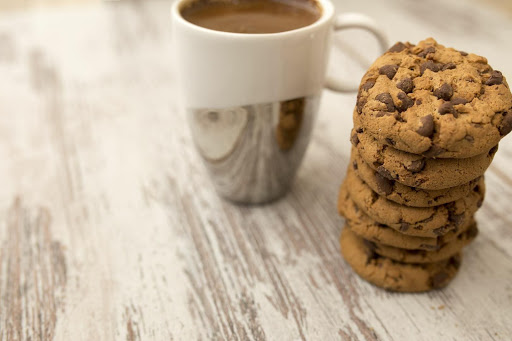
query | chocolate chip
(463,53)
(359,130)
(482,90)
(455,262)
(430,247)
(419,101)
(434,67)
(457,219)
(406,85)
(449,66)
(384,172)
(440,279)
(469,138)
(370,250)
(370,245)
(446,108)
(427,220)
(368,85)
(433,151)
(472,232)
(416,166)
(397,47)
(495,79)
(458,100)
(506,124)
(383,184)
(389,70)
(426,51)
(361,102)
(419,182)
(374,197)
(427,126)
(445,92)
(390,141)
(406,102)
(404,227)
(386,98)
(354,139)
(383,113)
(493,150)
(440,230)
(399,117)
(479,203)
(354,165)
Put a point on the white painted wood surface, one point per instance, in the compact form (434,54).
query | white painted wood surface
(110,229)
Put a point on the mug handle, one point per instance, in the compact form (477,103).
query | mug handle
(355,20)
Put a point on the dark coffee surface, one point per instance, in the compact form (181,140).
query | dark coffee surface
(252,16)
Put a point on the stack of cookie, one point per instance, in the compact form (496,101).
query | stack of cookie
(427,124)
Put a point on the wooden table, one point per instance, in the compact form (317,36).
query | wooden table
(110,228)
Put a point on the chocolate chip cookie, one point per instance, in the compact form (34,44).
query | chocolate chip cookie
(415,170)
(432,100)
(393,275)
(413,221)
(421,256)
(361,224)
(406,195)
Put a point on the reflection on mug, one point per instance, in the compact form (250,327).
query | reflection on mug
(252,152)
(290,119)
(217,131)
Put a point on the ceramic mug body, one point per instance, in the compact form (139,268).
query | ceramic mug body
(223,69)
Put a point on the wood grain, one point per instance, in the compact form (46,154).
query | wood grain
(13,5)
(34,275)
(111,230)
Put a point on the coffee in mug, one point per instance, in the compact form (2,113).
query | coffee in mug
(252,16)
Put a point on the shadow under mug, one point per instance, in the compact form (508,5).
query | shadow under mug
(251,100)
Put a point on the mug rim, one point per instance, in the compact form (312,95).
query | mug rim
(327,13)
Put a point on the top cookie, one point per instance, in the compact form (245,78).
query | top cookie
(436,101)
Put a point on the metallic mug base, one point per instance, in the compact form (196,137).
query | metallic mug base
(252,152)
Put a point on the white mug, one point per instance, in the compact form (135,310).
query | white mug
(251,99)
